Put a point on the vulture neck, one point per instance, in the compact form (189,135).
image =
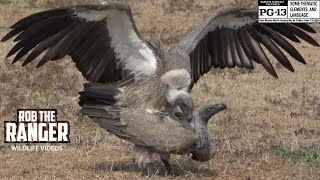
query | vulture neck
(203,150)
(201,128)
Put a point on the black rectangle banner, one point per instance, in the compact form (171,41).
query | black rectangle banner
(273,2)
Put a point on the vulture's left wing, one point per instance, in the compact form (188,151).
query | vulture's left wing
(233,37)
(101,39)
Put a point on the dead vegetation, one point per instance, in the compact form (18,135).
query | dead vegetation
(270,131)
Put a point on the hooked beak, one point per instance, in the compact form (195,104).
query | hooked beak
(221,107)
(187,111)
(218,107)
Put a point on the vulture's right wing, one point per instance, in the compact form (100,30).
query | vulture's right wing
(101,39)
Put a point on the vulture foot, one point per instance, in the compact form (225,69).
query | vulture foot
(168,167)
(149,170)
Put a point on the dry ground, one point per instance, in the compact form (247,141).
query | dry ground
(270,131)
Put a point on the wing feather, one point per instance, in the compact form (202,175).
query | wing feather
(245,61)
(208,56)
(202,54)
(244,44)
(305,27)
(228,54)
(298,32)
(282,42)
(197,64)
(234,55)
(284,31)
(222,45)
(258,54)
(46,44)
(214,49)
(272,47)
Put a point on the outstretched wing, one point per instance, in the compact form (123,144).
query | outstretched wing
(101,39)
(233,36)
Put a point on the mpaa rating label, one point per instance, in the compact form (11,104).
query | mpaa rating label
(289,11)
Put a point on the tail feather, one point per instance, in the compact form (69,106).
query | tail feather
(98,103)
(98,94)
(99,111)
(107,117)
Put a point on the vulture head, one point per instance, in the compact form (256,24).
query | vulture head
(181,99)
(205,112)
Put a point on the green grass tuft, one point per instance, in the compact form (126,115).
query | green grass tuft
(300,155)
(46,99)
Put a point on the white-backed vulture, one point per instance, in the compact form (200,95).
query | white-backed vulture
(106,46)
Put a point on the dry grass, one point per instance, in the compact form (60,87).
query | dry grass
(270,131)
